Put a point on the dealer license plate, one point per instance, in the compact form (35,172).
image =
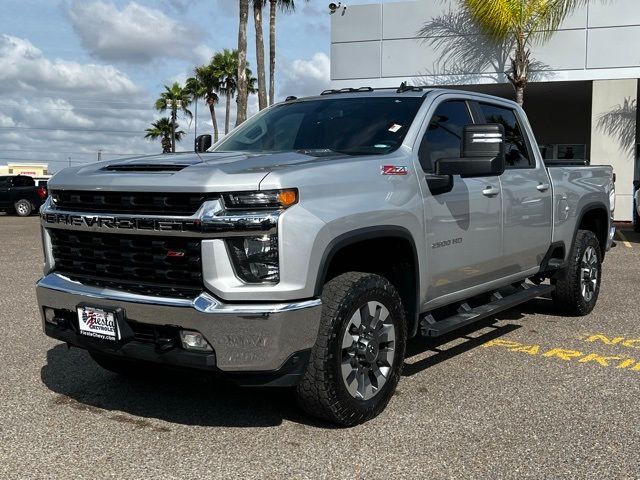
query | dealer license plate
(97,323)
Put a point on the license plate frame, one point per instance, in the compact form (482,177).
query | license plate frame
(99,323)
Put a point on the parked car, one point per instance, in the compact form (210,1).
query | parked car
(308,246)
(20,195)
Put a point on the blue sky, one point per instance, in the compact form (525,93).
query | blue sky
(81,75)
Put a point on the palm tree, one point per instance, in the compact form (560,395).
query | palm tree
(206,84)
(284,5)
(243,93)
(163,129)
(524,22)
(258,5)
(225,66)
(173,98)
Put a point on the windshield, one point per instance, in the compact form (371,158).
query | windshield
(353,126)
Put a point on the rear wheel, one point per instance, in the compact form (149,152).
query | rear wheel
(23,208)
(636,218)
(578,288)
(357,360)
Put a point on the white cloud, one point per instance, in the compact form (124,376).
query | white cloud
(51,109)
(133,34)
(24,67)
(303,78)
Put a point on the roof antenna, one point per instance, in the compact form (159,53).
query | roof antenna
(403,88)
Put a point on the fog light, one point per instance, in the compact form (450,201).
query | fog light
(194,341)
(49,315)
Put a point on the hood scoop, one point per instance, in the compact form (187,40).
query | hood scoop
(144,167)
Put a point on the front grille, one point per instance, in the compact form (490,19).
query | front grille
(131,202)
(148,265)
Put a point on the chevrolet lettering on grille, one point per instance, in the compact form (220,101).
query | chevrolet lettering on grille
(120,223)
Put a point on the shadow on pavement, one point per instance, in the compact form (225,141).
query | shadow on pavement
(629,234)
(199,399)
(434,346)
(175,397)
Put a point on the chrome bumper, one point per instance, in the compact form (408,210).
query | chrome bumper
(245,337)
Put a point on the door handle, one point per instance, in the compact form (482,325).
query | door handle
(490,191)
(543,187)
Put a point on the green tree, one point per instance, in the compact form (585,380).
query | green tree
(274,5)
(225,66)
(242,84)
(524,22)
(206,84)
(163,129)
(174,98)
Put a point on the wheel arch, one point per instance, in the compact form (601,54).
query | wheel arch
(385,247)
(595,218)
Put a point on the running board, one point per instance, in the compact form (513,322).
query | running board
(467,315)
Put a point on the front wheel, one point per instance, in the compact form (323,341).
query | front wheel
(23,208)
(579,285)
(357,360)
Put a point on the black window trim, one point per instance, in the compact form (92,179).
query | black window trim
(532,157)
(473,114)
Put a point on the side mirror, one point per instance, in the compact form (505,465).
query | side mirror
(203,143)
(482,153)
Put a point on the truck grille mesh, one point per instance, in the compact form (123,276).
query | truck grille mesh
(184,204)
(147,265)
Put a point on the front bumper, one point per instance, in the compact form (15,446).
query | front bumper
(250,337)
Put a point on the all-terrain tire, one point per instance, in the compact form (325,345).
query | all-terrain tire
(571,296)
(322,392)
(23,208)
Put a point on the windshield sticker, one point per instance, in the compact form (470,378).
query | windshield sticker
(381,145)
(395,128)
(394,170)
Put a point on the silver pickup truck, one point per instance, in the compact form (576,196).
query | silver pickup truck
(308,246)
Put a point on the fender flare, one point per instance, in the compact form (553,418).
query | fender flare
(590,207)
(371,233)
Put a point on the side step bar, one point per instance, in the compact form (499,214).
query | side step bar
(467,315)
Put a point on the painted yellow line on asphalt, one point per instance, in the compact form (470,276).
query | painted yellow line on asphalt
(575,357)
(624,239)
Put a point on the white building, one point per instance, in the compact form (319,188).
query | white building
(582,97)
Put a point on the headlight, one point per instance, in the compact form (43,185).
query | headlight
(268,199)
(255,259)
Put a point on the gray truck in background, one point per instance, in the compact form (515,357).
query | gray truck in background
(308,246)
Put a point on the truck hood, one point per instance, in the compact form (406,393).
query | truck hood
(182,172)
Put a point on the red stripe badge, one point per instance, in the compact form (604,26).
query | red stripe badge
(394,170)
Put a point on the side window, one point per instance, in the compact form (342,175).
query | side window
(23,182)
(443,138)
(515,147)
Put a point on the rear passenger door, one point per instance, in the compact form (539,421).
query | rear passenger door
(526,193)
(5,183)
(463,225)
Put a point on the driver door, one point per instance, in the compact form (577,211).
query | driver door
(463,225)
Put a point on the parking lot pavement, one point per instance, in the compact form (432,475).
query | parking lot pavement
(531,394)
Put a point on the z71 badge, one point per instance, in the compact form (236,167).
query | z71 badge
(394,170)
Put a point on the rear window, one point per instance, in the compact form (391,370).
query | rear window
(23,181)
(517,153)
